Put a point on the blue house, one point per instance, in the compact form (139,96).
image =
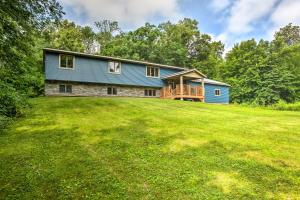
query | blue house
(69,73)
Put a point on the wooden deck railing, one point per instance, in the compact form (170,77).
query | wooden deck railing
(188,92)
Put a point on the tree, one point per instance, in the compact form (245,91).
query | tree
(67,36)
(265,72)
(106,31)
(88,39)
(20,21)
(20,27)
(289,34)
(179,44)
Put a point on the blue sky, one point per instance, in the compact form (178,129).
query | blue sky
(227,20)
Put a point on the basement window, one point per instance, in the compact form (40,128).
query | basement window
(66,61)
(65,88)
(217,92)
(112,91)
(150,93)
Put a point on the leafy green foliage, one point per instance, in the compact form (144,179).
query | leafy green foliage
(281,105)
(68,36)
(265,72)
(19,22)
(288,34)
(11,101)
(20,53)
(179,44)
(106,31)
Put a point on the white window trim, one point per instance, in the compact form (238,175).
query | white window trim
(219,92)
(153,76)
(108,67)
(66,67)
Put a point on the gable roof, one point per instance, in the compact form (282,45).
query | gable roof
(111,58)
(182,73)
(213,82)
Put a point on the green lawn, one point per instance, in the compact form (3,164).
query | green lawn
(127,148)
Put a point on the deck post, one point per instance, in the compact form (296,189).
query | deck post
(203,90)
(181,87)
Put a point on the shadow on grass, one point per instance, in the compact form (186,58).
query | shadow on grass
(129,162)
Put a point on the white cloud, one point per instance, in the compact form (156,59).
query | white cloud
(127,12)
(288,11)
(244,17)
(245,12)
(219,5)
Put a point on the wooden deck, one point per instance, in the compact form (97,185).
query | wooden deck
(189,92)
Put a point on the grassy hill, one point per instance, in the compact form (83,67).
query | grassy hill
(150,149)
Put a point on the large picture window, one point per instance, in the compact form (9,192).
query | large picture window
(152,71)
(66,61)
(114,67)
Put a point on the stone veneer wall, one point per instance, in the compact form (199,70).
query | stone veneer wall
(81,89)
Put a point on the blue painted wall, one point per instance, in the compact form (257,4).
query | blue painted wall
(210,94)
(96,71)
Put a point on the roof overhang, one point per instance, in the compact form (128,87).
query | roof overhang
(111,58)
(191,74)
(212,82)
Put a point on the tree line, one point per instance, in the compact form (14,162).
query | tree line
(262,73)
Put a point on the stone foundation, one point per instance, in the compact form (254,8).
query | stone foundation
(82,89)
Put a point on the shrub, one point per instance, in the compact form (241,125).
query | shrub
(281,105)
(11,101)
(4,121)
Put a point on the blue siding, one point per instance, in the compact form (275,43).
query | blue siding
(96,71)
(210,94)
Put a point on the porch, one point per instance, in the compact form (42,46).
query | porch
(178,86)
(188,92)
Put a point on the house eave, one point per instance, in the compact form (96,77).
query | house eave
(212,82)
(51,50)
(183,73)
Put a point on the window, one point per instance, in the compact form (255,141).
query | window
(150,93)
(66,61)
(65,88)
(112,91)
(152,71)
(217,92)
(114,67)
(68,88)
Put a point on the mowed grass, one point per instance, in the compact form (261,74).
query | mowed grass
(127,148)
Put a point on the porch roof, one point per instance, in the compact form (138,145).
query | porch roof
(191,74)
(212,82)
